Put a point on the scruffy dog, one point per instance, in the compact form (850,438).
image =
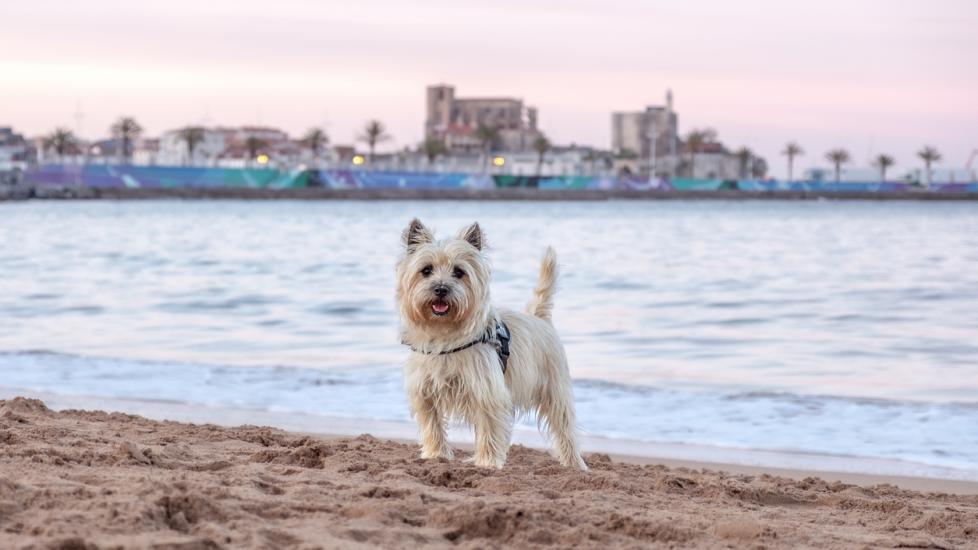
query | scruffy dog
(474,362)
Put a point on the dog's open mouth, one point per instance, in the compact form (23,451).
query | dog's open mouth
(440,307)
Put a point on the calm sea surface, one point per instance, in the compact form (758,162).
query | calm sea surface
(832,327)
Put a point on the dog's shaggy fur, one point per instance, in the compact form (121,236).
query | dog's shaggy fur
(443,299)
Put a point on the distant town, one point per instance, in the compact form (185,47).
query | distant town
(497,135)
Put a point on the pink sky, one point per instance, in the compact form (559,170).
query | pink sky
(869,75)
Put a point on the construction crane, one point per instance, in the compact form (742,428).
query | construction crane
(970,165)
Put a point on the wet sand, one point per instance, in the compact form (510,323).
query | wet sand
(91,479)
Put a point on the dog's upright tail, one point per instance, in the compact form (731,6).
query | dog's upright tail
(542,303)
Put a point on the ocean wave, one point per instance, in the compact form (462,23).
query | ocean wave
(931,433)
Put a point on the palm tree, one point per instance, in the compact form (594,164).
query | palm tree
(745,156)
(432,148)
(315,139)
(695,140)
(254,145)
(488,135)
(929,155)
(374,132)
(883,162)
(192,136)
(61,140)
(758,168)
(126,130)
(541,145)
(792,150)
(838,157)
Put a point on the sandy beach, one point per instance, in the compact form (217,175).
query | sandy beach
(91,479)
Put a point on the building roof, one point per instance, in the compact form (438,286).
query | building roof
(487,100)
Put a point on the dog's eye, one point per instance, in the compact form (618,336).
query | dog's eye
(458,273)
(426,270)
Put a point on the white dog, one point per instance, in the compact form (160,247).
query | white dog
(474,362)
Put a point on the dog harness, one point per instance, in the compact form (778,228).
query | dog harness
(498,338)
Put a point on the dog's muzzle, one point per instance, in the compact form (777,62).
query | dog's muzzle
(440,306)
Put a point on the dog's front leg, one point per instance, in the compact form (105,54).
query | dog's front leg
(493,423)
(431,428)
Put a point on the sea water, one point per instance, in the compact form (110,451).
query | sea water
(840,328)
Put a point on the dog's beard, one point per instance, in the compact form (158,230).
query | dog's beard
(449,309)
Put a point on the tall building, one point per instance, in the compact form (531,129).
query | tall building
(455,121)
(651,136)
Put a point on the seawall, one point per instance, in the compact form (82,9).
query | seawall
(497,194)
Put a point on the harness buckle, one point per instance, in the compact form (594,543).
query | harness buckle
(502,339)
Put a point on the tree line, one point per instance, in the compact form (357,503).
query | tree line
(126,130)
(882,162)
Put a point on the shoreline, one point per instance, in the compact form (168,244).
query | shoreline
(798,466)
(497,194)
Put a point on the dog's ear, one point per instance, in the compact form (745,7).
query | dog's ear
(473,235)
(416,235)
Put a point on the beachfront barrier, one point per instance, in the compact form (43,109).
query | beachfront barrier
(157,177)
(122,176)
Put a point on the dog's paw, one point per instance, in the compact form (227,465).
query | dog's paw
(575,462)
(579,464)
(445,453)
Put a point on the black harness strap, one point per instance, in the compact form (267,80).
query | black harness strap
(502,346)
(499,340)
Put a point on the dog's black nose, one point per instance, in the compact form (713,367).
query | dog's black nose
(441,291)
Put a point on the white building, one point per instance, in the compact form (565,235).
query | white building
(712,161)
(650,136)
(146,152)
(851,174)
(15,151)
(173,150)
(560,161)
(232,148)
(940,175)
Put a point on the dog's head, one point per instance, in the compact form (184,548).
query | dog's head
(442,283)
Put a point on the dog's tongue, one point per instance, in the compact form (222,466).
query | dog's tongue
(439,307)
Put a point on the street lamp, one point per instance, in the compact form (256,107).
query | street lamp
(652,143)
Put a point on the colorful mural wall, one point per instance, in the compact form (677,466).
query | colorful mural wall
(363,179)
(269,178)
(888,187)
(163,176)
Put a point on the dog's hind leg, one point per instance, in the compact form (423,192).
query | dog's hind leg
(431,428)
(557,411)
